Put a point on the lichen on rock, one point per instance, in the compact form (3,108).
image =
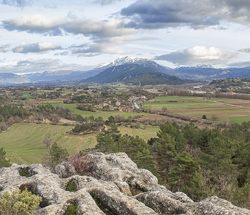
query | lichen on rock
(109,184)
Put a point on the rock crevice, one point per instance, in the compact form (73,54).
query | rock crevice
(109,184)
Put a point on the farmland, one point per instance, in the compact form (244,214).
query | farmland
(230,110)
(23,142)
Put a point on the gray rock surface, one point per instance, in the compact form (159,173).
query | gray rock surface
(108,184)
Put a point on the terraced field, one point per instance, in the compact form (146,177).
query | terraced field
(231,110)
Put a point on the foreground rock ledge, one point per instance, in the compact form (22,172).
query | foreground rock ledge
(108,184)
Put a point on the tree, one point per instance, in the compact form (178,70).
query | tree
(111,141)
(58,154)
(4,162)
(186,176)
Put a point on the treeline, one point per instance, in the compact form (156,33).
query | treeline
(10,114)
(199,162)
(14,113)
(244,95)
(88,125)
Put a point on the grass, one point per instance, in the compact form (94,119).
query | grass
(146,133)
(230,110)
(23,142)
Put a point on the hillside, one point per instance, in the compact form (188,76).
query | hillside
(108,184)
(140,72)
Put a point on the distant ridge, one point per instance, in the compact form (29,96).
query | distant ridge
(127,70)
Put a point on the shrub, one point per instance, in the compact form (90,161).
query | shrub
(71,186)
(204,117)
(19,203)
(79,163)
(26,172)
(71,209)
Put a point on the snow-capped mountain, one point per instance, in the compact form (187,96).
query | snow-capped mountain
(134,71)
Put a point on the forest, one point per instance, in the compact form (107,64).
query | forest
(199,162)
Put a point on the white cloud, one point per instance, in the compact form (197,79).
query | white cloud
(197,55)
(202,53)
(36,47)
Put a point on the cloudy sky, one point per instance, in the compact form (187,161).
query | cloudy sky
(50,35)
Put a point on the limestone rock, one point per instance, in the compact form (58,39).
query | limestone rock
(65,170)
(161,202)
(217,206)
(108,184)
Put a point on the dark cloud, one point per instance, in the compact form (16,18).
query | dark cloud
(194,13)
(36,48)
(87,50)
(16,3)
(196,55)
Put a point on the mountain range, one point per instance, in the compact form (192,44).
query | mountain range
(128,71)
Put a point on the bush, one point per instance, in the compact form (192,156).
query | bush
(26,172)
(204,117)
(71,186)
(71,209)
(19,203)
(4,162)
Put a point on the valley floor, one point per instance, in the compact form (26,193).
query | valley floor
(228,110)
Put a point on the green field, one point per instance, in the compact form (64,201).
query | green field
(146,133)
(23,142)
(231,110)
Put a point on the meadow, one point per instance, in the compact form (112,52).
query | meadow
(229,110)
(23,142)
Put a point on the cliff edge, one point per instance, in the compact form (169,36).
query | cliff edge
(102,184)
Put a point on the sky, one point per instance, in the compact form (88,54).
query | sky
(53,35)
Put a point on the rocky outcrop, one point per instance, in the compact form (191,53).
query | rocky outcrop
(108,184)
